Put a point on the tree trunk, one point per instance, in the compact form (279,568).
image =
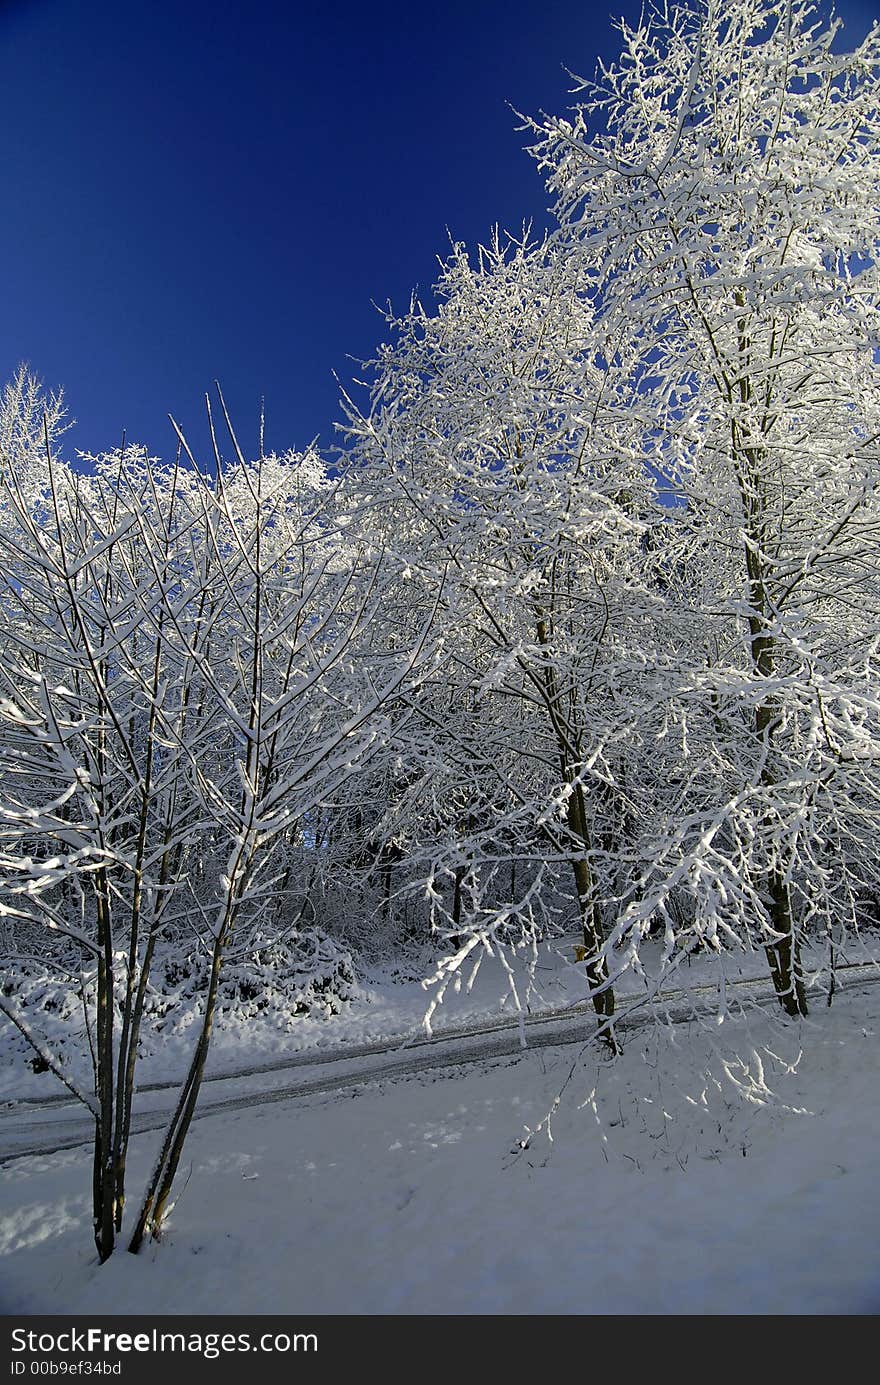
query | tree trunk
(460,873)
(784,956)
(601,992)
(156,1197)
(104,1174)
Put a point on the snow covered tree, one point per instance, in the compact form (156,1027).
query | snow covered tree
(489,453)
(188,675)
(720,181)
(304,694)
(94,817)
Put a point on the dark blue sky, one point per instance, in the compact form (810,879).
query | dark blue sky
(195,190)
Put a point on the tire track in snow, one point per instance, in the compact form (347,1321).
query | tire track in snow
(463,1047)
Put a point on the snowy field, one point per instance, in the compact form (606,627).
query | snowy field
(710,1169)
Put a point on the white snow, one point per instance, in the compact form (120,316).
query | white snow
(696,1174)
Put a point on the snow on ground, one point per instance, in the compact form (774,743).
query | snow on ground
(710,1169)
(385,1009)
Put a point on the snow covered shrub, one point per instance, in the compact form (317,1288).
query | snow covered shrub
(51,1008)
(282,978)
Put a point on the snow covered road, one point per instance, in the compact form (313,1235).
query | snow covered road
(52,1124)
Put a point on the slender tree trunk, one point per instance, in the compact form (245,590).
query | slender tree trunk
(601,993)
(460,873)
(104,1177)
(155,1201)
(783,955)
(386,891)
(125,1094)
